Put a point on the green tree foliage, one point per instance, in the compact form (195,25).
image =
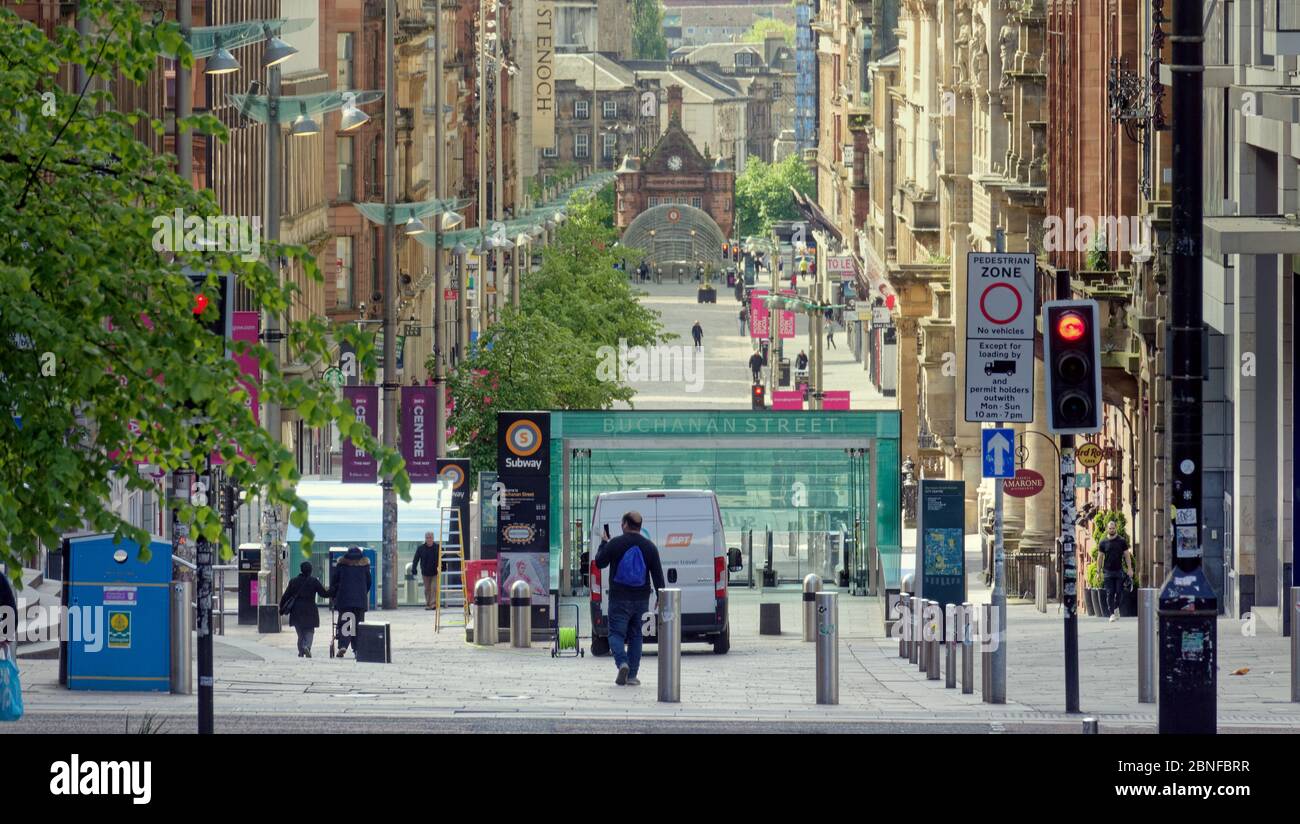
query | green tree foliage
(648,41)
(545,355)
(768,27)
(763,193)
(100,353)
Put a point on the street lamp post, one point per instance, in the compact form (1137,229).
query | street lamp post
(389,527)
(439,328)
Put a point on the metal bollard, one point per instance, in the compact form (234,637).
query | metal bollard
(904,623)
(521,614)
(950,643)
(986,652)
(1090,726)
(967,648)
(1295,644)
(812,584)
(182,652)
(485,612)
(1040,588)
(914,630)
(932,644)
(1148,649)
(828,648)
(670,645)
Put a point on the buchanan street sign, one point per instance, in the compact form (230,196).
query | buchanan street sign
(1026,484)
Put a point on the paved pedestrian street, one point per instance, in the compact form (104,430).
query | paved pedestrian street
(439,679)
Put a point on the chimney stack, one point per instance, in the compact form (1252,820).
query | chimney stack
(675,105)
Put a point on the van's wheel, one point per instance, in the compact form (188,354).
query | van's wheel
(722,643)
(599,645)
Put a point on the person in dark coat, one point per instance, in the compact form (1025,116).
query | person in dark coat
(426,563)
(350,589)
(304,615)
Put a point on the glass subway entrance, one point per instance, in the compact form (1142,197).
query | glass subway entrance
(799,492)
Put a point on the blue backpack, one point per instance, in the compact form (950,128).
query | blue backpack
(631,568)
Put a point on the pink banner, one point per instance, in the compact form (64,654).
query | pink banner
(361,467)
(787,317)
(246,326)
(759,316)
(787,401)
(835,400)
(418,408)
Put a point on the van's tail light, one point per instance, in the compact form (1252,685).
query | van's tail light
(595,583)
(719,577)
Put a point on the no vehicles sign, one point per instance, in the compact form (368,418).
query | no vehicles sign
(1000,337)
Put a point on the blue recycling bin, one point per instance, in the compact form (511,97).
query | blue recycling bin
(371,555)
(119,615)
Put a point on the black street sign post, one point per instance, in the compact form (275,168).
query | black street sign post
(203,552)
(1188,604)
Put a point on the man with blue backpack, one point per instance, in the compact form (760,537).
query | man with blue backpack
(634,560)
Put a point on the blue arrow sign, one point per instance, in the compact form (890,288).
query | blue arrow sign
(996,447)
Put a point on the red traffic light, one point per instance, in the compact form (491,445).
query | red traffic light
(1071,326)
(200,304)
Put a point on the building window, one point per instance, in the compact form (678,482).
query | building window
(776,88)
(347,189)
(550,151)
(345,58)
(610,142)
(582,109)
(609,110)
(345,277)
(582,145)
(654,201)
(695,201)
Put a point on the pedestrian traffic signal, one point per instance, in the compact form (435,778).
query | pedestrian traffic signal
(1072,358)
(212,306)
(758,396)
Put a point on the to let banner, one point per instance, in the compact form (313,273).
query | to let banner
(360,467)
(419,405)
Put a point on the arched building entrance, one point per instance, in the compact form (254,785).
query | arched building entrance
(676,237)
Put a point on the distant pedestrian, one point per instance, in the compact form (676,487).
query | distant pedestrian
(633,560)
(801,362)
(744,318)
(830,336)
(426,563)
(697,332)
(1116,556)
(756,365)
(350,589)
(299,603)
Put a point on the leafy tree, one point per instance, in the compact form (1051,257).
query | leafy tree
(101,357)
(545,355)
(648,41)
(526,361)
(763,194)
(768,27)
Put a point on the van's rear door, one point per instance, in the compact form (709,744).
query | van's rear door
(684,535)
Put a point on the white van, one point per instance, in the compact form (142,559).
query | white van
(686,526)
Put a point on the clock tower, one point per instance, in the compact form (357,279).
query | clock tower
(675,172)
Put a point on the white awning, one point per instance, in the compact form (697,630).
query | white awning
(351,513)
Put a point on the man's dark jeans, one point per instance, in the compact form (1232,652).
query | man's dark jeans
(1112,591)
(625,628)
(349,618)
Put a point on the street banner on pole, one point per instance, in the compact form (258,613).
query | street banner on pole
(360,467)
(538,55)
(759,316)
(787,317)
(999,337)
(418,404)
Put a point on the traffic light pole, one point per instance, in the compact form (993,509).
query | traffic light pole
(1069,567)
(1188,604)
(203,552)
